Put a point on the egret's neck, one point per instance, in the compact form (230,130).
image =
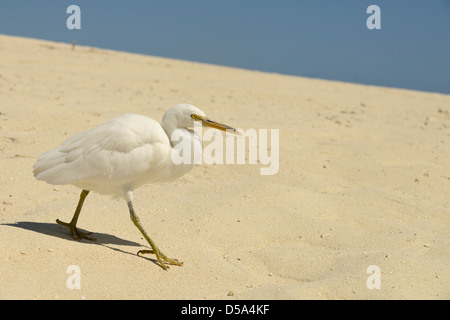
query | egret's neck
(186,134)
(168,129)
(169,123)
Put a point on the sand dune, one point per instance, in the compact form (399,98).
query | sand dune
(363,180)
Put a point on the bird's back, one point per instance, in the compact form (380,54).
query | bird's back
(123,151)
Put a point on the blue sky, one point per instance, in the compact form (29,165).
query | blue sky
(325,39)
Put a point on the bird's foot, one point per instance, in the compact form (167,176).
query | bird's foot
(76,234)
(160,257)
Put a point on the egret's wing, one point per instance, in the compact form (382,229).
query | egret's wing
(115,152)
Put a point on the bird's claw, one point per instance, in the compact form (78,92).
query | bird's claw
(160,257)
(75,232)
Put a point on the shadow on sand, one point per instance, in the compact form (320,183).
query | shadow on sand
(55,230)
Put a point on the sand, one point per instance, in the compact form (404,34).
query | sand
(363,181)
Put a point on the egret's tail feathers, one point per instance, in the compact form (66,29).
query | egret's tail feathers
(51,167)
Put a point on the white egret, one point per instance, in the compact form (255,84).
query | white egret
(120,155)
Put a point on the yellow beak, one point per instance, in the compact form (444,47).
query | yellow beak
(216,125)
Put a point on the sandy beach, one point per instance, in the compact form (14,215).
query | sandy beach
(363,181)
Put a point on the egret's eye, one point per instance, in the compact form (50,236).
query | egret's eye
(194,116)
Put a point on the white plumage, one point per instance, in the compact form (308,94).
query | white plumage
(120,155)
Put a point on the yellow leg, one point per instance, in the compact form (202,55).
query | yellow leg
(72,225)
(159,255)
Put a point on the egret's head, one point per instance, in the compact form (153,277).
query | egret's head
(184,116)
